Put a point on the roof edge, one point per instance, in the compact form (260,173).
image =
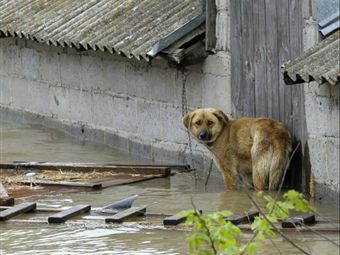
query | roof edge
(176,35)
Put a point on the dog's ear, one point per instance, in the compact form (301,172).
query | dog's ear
(221,116)
(187,119)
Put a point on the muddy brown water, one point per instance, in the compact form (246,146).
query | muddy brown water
(23,141)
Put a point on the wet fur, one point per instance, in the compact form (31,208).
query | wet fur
(256,149)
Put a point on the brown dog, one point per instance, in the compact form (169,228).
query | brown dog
(257,149)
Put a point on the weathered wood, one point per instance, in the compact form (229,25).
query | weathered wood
(69,213)
(237,72)
(64,183)
(272,76)
(174,220)
(210,25)
(131,169)
(298,220)
(247,88)
(16,210)
(123,215)
(260,60)
(237,219)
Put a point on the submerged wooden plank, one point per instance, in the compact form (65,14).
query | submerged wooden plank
(64,183)
(298,220)
(69,213)
(115,182)
(237,219)
(123,215)
(174,220)
(16,210)
(130,169)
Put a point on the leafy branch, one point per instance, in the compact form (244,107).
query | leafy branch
(212,235)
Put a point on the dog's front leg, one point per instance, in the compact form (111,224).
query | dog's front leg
(229,179)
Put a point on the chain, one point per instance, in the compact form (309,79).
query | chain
(185,111)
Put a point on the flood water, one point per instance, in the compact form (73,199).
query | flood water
(24,141)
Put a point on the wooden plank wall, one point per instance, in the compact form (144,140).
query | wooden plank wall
(264,35)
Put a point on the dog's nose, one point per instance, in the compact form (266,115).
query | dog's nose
(203,135)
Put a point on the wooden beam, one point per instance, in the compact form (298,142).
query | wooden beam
(69,213)
(63,183)
(298,220)
(16,210)
(210,25)
(174,220)
(237,219)
(131,169)
(123,215)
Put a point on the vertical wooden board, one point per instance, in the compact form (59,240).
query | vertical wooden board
(236,58)
(210,25)
(295,31)
(260,61)
(284,55)
(247,41)
(272,59)
(298,125)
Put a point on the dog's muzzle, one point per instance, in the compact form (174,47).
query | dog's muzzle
(204,135)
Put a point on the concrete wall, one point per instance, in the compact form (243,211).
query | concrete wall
(322,104)
(128,104)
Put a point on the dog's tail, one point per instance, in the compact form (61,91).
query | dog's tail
(269,161)
(279,163)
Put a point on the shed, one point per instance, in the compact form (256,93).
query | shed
(135,29)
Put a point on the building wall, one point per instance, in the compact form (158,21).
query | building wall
(128,104)
(322,104)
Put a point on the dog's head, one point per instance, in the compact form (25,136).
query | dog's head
(205,124)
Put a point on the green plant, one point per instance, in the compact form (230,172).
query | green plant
(212,234)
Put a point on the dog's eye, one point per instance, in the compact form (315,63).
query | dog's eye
(210,122)
(198,122)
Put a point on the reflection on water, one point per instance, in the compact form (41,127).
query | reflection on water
(166,195)
(62,240)
(23,141)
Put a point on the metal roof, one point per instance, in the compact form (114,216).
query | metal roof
(320,63)
(129,27)
(328,16)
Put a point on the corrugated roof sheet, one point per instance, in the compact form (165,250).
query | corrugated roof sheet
(320,63)
(129,27)
(328,16)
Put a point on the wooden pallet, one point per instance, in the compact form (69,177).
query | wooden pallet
(121,175)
